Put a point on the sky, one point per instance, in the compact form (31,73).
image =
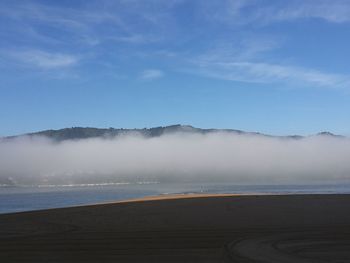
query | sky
(272,66)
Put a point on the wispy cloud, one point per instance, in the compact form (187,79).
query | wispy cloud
(151,74)
(337,11)
(244,47)
(271,73)
(44,60)
(124,26)
(95,22)
(242,12)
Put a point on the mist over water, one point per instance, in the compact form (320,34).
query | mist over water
(179,157)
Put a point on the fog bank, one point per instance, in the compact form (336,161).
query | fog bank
(214,157)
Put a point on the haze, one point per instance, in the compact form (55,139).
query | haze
(217,157)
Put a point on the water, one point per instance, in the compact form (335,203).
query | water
(17,199)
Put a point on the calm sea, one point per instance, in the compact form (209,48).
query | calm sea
(26,198)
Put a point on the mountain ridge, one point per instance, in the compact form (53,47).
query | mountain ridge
(77,133)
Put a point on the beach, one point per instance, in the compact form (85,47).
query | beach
(184,228)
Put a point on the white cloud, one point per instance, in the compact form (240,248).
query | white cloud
(43,59)
(151,74)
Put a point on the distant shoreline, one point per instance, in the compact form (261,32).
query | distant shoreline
(174,197)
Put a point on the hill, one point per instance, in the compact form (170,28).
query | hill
(77,133)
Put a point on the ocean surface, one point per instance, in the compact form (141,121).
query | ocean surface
(27,198)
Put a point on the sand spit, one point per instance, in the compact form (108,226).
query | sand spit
(185,228)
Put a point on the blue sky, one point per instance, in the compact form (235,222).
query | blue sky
(278,67)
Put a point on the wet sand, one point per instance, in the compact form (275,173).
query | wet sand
(185,228)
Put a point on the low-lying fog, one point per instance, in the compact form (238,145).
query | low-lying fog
(215,157)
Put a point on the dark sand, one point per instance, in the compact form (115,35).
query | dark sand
(255,228)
